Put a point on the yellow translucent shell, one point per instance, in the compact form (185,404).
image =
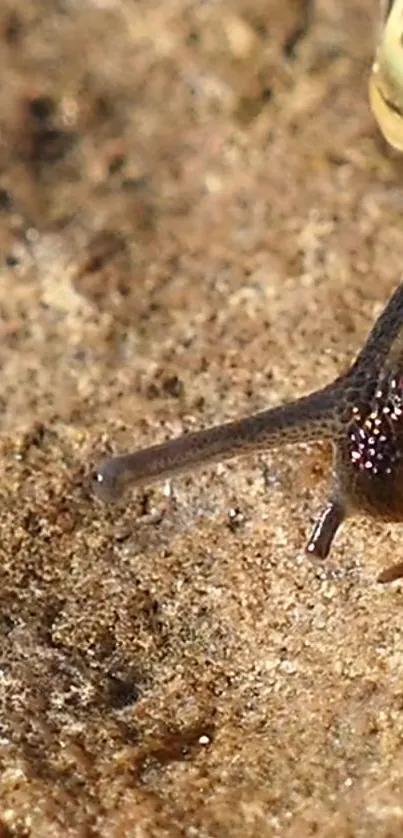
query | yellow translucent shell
(386,81)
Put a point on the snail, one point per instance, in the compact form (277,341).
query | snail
(360,412)
(386,80)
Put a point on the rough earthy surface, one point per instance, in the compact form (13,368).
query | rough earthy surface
(198,219)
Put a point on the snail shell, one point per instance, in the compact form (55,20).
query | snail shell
(386,81)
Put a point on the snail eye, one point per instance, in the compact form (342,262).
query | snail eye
(386,80)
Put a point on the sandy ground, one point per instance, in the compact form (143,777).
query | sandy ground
(198,219)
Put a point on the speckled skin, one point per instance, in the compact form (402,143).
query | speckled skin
(369,445)
(369,461)
(361,412)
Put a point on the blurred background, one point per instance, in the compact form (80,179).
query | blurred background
(163,161)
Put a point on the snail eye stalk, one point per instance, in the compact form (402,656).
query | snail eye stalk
(360,412)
